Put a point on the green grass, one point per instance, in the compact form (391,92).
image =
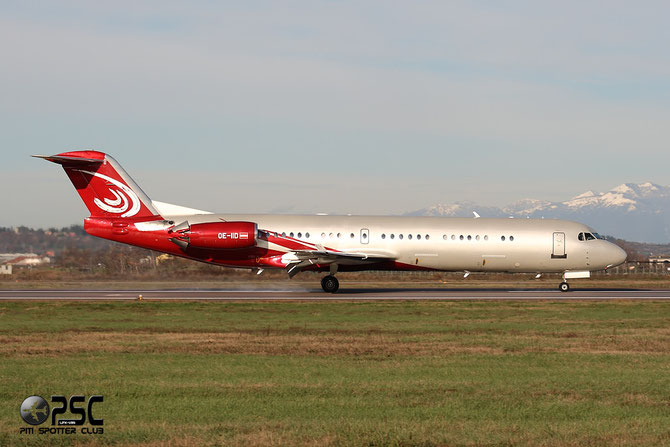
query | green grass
(343,373)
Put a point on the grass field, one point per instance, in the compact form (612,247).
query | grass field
(343,373)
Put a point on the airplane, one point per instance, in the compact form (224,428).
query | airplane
(33,410)
(122,212)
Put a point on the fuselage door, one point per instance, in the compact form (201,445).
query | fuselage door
(559,246)
(365,235)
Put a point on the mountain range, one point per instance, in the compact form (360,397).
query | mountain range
(635,212)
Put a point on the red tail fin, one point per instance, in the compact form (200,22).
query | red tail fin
(106,189)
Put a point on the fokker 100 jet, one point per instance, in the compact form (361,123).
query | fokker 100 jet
(122,212)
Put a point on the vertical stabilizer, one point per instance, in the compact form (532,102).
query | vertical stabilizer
(106,189)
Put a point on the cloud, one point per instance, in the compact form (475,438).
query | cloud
(477,99)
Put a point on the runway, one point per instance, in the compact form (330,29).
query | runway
(359,294)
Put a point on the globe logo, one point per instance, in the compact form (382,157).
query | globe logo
(34,410)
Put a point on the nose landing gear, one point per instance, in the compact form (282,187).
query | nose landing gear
(572,274)
(330,284)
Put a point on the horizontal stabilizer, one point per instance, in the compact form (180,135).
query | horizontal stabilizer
(61,160)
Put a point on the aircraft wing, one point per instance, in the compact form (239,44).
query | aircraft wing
(298,260)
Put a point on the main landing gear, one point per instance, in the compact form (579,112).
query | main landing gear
(330,284)
(564,287)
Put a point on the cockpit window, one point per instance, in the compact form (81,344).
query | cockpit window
(588,236)
(597,236)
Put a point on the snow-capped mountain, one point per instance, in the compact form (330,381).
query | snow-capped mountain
(635,212)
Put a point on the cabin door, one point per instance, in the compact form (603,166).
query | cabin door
(559,246)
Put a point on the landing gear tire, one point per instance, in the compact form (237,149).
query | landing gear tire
(330,284)
(564,287)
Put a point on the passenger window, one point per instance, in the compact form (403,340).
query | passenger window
(418,236)
(291,234)
(352,235)
(339,235)
(307,235)
(444,236)
(409,236)
(283,234)
(323,235)
(461,237)
(511,238)
(486,238)
(392,236)
(469,237)
(453,237)
(330,235)
(502,238)
(477,237)
(299,235)
(427,236)
(383,236)
(400,236)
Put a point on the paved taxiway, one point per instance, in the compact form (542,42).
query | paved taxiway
(343,294)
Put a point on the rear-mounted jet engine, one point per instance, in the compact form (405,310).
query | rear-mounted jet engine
(215,235)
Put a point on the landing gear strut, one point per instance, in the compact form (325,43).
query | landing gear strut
(564,287)
(330,284)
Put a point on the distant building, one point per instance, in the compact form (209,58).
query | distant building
(5,269)
(660,259)
(6,257)
(23,259)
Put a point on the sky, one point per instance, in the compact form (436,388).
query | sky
(335,106)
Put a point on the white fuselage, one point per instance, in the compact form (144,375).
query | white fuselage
(449,244)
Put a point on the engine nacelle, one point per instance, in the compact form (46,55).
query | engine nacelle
(217,235)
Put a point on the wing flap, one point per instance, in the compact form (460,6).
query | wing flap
(299,260)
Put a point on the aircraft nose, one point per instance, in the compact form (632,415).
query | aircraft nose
(615,255)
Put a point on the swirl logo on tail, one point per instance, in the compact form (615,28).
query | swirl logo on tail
(119,204)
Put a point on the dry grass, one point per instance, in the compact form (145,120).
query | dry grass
(200,343)
(336,342)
